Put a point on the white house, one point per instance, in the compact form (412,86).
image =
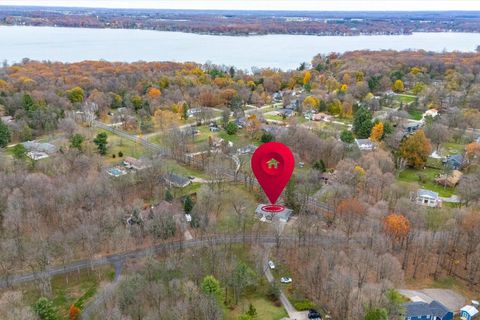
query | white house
(468,312)
(365,144)
(428,198)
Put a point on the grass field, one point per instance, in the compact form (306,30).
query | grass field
(405,98)
(412,176)
(266,310)
(117,144)
(415,114)
(74,288)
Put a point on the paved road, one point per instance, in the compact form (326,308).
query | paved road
(158,248)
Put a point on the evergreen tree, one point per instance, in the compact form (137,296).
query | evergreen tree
(188,205)
(168,196)
(76,141)
(347,136)
(362,123)
(101,142)
(4,135)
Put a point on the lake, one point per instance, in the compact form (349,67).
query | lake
(278,51)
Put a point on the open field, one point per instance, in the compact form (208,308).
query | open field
(412,176)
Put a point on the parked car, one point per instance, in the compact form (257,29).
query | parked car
(314,315)
(271,264)
(214,129)
(285,280)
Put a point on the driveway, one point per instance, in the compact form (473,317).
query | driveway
(449,298)
(293,314)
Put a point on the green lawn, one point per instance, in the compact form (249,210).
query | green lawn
(415,114)
(117,144)
(411,175)
(266,310)
(183,170)
(74,288)
(405,98)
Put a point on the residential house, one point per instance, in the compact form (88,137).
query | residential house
(365,144)
(321,117)
(277,96)
(280,216)
(35,146)
(247,149)
(468,312)
(420,310)
(454,162)
(287,113)
(241,122)
(219,143)
(135,164)
(430,113)
(156,210)
(427,198)
(293,105)
(411,127)
(450,180)
(34,155)
(193,111)
(176,180)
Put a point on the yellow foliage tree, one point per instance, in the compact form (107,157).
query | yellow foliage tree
(311,102)
(344,87)
(165,118)
(377,132)
(307,77)
(398,86)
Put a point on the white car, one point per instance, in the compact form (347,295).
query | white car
(285,280)
(271,264)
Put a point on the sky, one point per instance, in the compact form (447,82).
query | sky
(289,5)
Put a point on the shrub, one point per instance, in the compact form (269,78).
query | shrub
(303,305)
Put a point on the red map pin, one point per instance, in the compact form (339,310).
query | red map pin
(273,163)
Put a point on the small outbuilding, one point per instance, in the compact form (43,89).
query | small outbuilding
(468,312)
(427,198)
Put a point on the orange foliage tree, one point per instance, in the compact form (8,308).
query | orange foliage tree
(377,132)
(397,226)
(74,312)
(154,93)
(472,151)
(416,149)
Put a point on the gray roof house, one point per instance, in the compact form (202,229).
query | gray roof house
(428,198)
(421,310)
(176,180)
(454,162)
(35,146)
(411,127)
(286,112)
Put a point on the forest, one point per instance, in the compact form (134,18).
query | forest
(66,208)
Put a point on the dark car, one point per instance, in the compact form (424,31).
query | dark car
(313,314)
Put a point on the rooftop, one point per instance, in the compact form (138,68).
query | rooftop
(419,308)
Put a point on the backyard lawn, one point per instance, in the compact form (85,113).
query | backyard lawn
(412,176)
(74,288)
(266,310)
(117,144)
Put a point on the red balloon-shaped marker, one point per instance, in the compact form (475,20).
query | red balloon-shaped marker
(273,163)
